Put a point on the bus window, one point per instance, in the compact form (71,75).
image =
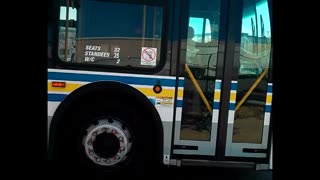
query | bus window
(201,59)
(254,60)
(200,34)
(111,33)
(67,39)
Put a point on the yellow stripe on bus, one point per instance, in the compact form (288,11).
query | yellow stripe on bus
(146,91)
(269,98)
(217,96)
(69,87)
(180,93)
(164,92)
(233,96)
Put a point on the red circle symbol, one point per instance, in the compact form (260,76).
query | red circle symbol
(149,55)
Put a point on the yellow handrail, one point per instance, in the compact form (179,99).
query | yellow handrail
(254,85)
(195,83)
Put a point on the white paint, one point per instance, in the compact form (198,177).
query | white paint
(215,116)
(52,106)
(266,119)
(58,92)
(111,74)
(166,113)
(231,117)
(178,113)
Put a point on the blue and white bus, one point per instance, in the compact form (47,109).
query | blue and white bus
(133,83)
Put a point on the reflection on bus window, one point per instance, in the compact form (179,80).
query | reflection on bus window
(201,58)
(71,39)
(200,34)
(255,38)
(254,60)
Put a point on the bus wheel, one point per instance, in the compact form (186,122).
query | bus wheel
(107,142)
(107,138)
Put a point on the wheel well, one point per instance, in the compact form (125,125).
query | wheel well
(95,92)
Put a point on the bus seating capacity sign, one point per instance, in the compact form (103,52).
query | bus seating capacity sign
(148,56)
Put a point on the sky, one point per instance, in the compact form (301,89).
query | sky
(262,9)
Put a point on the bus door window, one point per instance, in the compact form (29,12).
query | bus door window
(201,55)
(191,46)
(255,50)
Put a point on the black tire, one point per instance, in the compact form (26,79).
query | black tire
(69,146)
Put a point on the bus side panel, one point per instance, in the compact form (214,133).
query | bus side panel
(163,101)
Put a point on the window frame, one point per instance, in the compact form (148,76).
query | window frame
(58,62)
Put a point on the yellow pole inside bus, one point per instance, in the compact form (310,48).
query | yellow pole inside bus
(195,83)
(251,89)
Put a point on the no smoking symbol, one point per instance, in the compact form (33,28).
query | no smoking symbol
(148,54)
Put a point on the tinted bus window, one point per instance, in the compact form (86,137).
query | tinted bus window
(111,34)
(255,51)
(200,55)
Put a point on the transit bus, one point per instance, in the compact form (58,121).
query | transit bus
(136,83)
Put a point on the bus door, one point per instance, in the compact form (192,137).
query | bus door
(225,53)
